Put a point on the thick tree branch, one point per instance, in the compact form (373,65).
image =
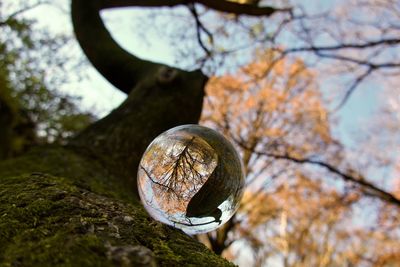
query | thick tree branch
(162,97)
(219,5)
(152,107)
(241,9)
(118,66)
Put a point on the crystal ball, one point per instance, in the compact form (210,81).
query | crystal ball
(191,177)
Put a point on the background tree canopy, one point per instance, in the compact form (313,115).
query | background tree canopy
(30,74)
(286,80)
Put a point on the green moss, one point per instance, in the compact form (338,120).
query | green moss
(162,249)
(48,220)
(84,171)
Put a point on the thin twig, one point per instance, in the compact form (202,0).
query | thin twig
(368,188)
(373,190)
(355,84)
(199,29)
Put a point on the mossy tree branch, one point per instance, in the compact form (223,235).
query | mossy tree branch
(118,66)
(59,208)
(160,97)
(219,5)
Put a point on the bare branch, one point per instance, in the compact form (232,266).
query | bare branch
(199,29)
(367,187)
(332,52)
(22,10)
(354,86)
(358,61)
(389,41)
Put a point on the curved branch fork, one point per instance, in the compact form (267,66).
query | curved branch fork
(118,66)
(160,97)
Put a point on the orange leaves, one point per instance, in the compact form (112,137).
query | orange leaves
(302,217)
(259,207)
(269,99)
(274,106)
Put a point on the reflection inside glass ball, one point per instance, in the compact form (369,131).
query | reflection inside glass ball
(192,178)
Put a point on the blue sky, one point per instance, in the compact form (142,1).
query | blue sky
(362,104)
(98,95)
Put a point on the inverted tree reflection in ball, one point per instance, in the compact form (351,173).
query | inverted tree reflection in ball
(191,177)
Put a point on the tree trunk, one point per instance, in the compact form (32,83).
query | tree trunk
(77,205)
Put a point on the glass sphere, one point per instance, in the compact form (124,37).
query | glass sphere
(192,178)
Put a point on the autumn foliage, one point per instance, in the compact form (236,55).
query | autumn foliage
(291,213)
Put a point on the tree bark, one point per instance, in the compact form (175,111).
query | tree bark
(62,207)
(77,205)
